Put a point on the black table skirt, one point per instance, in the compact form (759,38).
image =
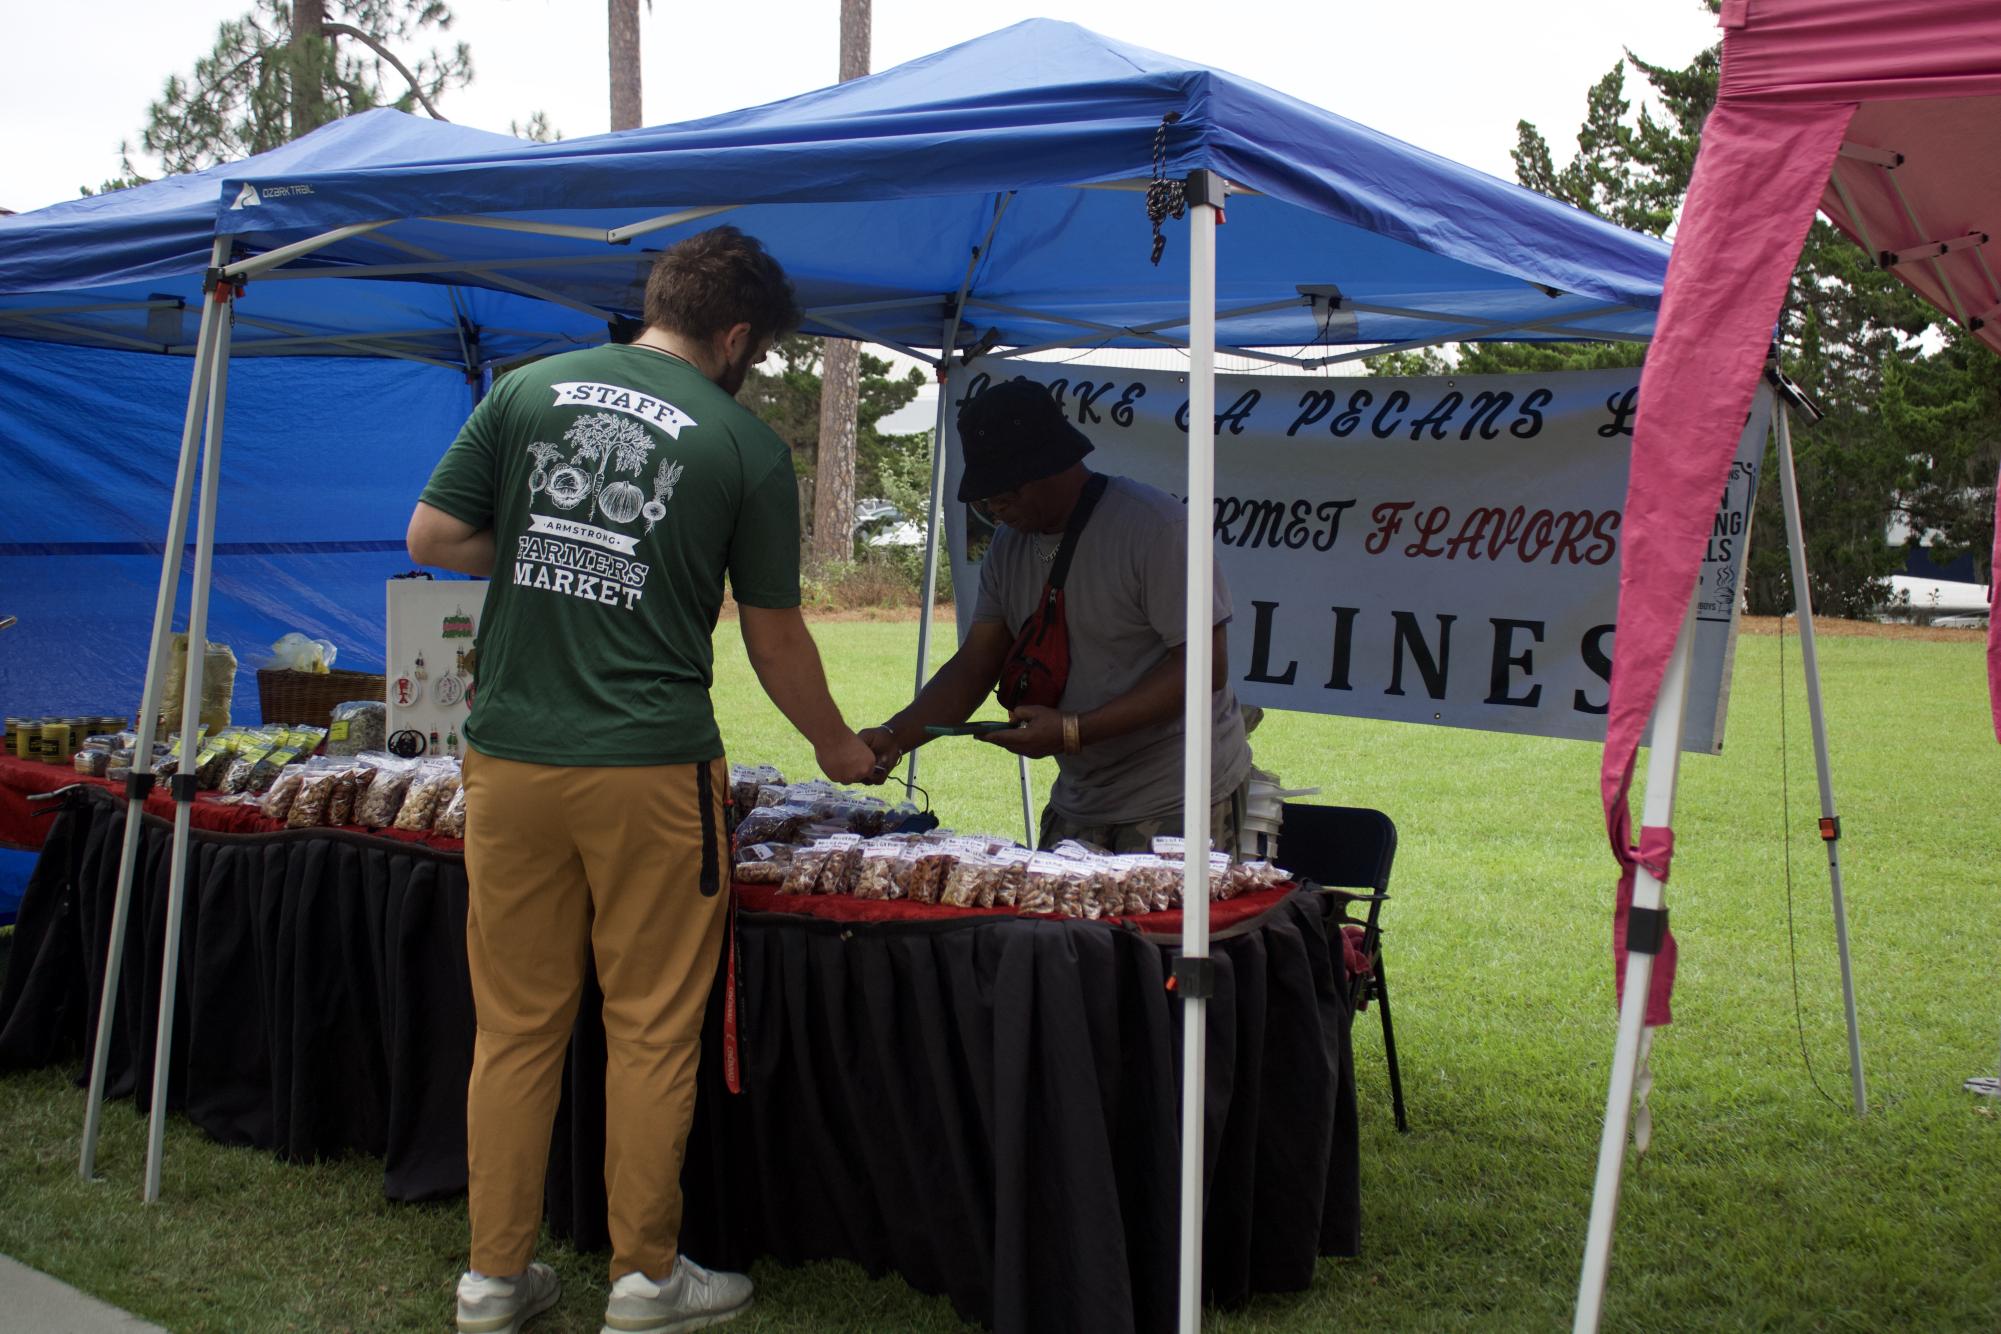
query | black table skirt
(918,1097)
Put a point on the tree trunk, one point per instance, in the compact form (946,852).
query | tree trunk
(309,61)
(854,39)
(624,47)
(840,368)
(834,471)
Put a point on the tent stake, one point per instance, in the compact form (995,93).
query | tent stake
(1830,822)
(1205,200)
(184,776)
(149,714)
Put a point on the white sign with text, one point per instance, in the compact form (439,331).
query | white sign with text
(1425,550)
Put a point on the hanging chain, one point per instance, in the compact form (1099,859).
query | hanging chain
(1164,198)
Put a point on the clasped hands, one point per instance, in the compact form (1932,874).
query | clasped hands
(1039,736)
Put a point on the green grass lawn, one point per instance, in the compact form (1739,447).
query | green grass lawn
(1761,1206)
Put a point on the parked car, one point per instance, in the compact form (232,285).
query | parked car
(881,524)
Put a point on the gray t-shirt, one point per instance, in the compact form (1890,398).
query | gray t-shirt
(1124,606)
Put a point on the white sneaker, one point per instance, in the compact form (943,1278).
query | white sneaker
(504,1305)
(691,1298)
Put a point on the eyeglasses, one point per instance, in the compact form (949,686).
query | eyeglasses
(985,507)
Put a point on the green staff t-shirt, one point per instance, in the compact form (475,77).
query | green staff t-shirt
(621,486)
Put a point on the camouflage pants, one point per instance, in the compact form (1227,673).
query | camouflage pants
(1225,819)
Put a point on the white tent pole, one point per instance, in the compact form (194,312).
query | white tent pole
(141,781)
(863,335)
(933,536)
(184,776)
(1830,823)
(293,273)
(94,308)
(501,280)
(69,330)
(271,259)
(1663,770)
(1193,973)
(620,235)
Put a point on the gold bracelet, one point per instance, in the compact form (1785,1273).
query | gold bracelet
(1073,738)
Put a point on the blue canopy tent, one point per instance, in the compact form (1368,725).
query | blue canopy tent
(375,375)
(992,196)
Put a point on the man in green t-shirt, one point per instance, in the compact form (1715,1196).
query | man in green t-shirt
(608,493)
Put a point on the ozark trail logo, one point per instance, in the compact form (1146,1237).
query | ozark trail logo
(251,196)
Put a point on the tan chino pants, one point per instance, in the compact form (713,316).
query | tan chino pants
(627,865)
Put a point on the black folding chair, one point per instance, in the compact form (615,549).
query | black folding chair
(1350,847)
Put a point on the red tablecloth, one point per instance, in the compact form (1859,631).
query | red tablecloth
(24,824)
(843,908)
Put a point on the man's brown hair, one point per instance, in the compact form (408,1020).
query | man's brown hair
(716,279)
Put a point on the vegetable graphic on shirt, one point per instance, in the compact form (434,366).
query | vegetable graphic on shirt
(663,491)
(541,452)
(607,440)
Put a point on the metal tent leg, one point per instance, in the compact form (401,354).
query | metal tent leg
(933,540)
(1663,770)
(1193,972)
(1830,823)
(149,713)
(184,779)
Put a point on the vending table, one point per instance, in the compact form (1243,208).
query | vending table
(984,1103)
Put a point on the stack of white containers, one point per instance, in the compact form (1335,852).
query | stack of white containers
(1264,808)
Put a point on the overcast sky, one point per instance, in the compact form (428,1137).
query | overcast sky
(1452,76)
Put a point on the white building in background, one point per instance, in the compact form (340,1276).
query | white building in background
(1946,602)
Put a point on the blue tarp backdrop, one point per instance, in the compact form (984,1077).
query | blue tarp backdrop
(323,458)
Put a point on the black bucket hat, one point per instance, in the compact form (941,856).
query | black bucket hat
(1014,434)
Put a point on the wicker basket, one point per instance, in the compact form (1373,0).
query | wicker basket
(309,697)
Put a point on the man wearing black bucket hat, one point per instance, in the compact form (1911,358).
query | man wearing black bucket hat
(1079,630)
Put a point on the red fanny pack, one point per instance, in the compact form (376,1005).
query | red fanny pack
(1038,664)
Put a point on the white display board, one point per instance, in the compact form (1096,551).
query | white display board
(432,627)
(1437,550)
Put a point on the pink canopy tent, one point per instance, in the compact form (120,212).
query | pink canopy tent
(1886,116)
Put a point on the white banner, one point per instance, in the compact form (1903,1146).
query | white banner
(591,394)
(1426,550)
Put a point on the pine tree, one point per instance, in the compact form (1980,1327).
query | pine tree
(284,70)
(290,66)
(1907,431)
(789,401)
